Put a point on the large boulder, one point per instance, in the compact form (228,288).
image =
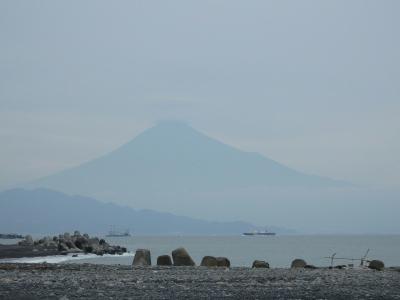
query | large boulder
(164,260)
(223,262)
(260,264)
(142,258)
(298,263)
(209,261)
(376,265)
(182,258)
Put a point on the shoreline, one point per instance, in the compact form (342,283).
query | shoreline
(89,281)
(58,259)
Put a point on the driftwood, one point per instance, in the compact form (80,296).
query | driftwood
(362,260)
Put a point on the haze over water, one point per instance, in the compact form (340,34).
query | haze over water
(278,251)
(290,111)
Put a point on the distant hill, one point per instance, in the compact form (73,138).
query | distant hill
(174,168)
(172,161)
(46,211)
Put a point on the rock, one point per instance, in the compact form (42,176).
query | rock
(81,242)
(91,244)
(298,263)
(99,252)
(70,244)
(209,261)
(182,258)
(92,241)
(62,247)
(376,265)
(52,244)
(142,258)
(28,241)
(310,267)
(223,262)
(340,267)
(65,243)
(260,264)
(112,250)
(164,260)
(88,249)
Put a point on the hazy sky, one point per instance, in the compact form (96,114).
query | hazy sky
(312,84)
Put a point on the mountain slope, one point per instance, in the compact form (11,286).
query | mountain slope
(47,211)
(172,167)
(174,160)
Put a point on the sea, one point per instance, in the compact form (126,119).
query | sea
(278,250)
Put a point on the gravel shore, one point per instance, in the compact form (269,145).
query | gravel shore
(74,281)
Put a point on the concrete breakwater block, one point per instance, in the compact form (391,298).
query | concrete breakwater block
(142,258)
(182,258)
(164,260)
(209,261)
(298,263)
(260,264)
(223,262)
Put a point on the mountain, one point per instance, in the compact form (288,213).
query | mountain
(174,159)
(47,211)
(174,168)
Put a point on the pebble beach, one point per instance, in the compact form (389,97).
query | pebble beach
(88,281)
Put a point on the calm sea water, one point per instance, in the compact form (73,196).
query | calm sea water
(279,251)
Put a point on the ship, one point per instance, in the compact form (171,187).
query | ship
(115,233)
(256,232)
